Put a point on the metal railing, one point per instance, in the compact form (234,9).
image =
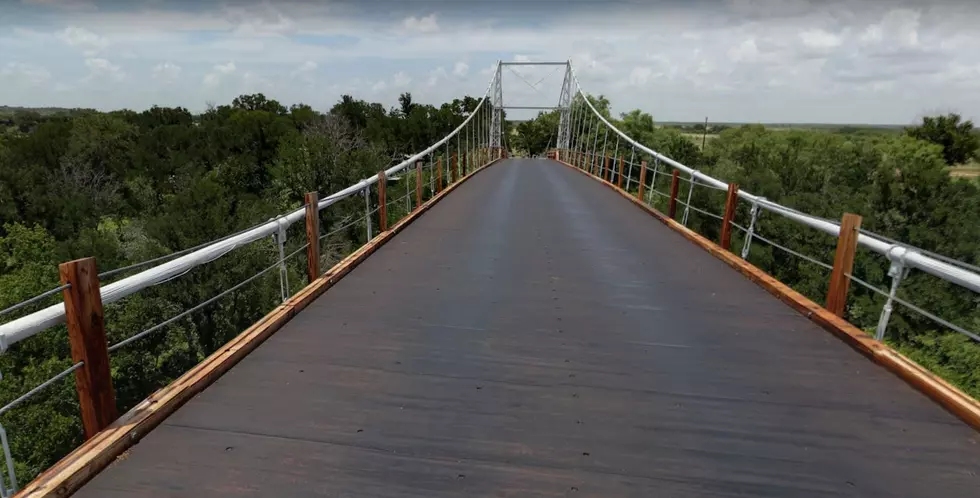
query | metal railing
(465,149)
(902,257)
(897,253)
(24,327)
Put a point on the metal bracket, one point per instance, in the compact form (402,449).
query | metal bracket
(280,238)
(748,236)
(898,270)
(690,192)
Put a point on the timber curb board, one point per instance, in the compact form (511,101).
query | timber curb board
(78,467)
(943,393)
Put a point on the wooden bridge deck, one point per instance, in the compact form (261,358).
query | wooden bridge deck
(536,335)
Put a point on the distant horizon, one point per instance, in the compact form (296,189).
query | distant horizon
(4,107)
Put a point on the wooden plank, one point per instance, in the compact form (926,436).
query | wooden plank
(382,201)
(81,465)
(675,183)
(643,180)
(418,184)
(943,393)
(312,236)
(86,332)
(843,264)
(731,203)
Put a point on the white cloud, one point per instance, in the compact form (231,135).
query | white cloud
(435,76)
(306,73)
(872,34)
(254,82)
(898,27)
(640,76)
(214,78)
(427,24)
(747,51)
(102,68)
(820,39)
(84,39)
(166,71)
(227,68)
(489,70)
(401,79)
(816,61)
(27,74)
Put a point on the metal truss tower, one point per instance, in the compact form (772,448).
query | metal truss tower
(565,109)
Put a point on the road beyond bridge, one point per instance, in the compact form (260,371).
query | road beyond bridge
(535,334)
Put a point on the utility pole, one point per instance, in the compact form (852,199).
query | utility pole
(704,133)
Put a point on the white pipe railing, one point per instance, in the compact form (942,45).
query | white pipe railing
(28,325)
(894,252)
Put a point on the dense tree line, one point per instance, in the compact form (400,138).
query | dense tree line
(129,186)
(898,182)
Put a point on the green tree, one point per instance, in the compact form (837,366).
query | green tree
(955,136)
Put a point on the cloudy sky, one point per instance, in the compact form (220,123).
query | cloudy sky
(837,61)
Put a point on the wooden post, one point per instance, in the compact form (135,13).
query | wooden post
(418,184)
(453,170)
(605,169)
(643,179)
(843,264)
(382,201)
(439,175)
(86,332)
(619,178)
(726,223)
(675,183)
(312,236)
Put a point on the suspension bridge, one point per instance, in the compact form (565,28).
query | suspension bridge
(528,327)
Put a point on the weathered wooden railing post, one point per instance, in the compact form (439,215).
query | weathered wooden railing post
(382,201)
(418,184)
(312,236)
(454,170)
(643,179)
(843,264)
(619,178)
(605,169)
(675,183)
(86,333)
(731,202)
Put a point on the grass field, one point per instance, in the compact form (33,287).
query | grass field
(971,170)
(698,138)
